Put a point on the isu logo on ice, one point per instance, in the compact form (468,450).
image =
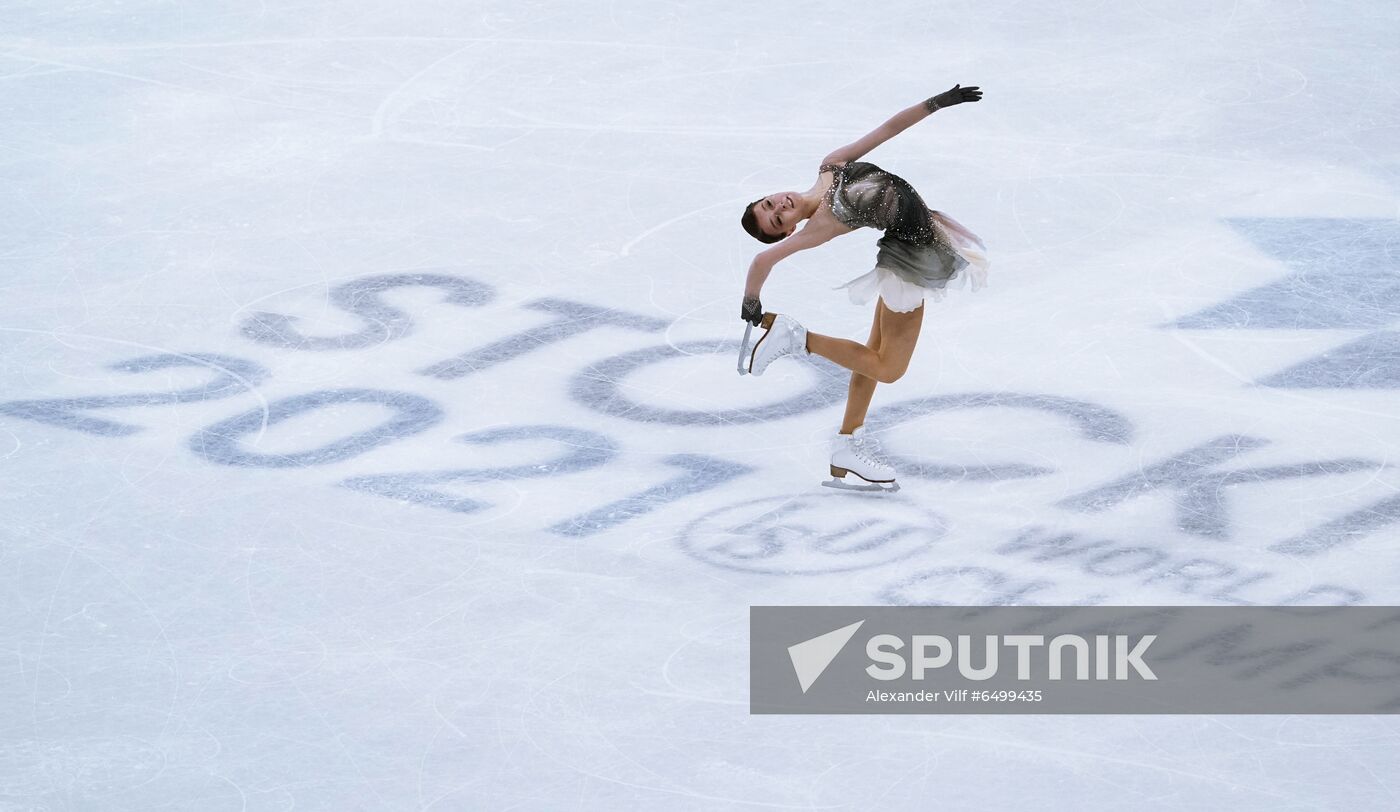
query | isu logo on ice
(1104,657)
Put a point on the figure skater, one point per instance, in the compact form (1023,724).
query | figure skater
(920,252)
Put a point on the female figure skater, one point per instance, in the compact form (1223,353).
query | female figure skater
(920,253)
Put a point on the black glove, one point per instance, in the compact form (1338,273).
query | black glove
(957,95)
(752,311)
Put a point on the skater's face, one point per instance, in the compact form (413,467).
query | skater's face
(777,214)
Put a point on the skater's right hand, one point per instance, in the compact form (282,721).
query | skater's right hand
(752,311)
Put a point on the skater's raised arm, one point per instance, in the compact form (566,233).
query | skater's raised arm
(902,121)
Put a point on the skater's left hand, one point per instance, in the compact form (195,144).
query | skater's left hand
(957,95)
(752,311)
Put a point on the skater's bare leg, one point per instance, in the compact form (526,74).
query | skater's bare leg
(862,388)
(899,332)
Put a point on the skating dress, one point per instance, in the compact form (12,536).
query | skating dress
(922,251)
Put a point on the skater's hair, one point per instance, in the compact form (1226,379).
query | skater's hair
(750,224)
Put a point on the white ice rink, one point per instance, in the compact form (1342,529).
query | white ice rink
(371,436)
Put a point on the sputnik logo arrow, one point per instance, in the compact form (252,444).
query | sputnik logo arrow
(811,657)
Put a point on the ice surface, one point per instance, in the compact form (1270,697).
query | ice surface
(372,440)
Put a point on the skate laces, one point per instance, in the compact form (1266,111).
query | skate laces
(795,338)
(793,345)
(867,448)
(789,337)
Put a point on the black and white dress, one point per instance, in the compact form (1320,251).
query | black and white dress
(922,250)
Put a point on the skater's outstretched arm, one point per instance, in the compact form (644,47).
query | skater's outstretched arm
(809,236)
(902,121)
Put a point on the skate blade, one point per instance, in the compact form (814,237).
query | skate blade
(744,349)
(867,487)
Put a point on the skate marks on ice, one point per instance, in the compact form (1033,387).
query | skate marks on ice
(89,766)
(580,450)
(1369,362)
(1201,484)
(1199,480)
(816,535)
(223,442)
(254,438)
(231,377)
(1343,274)
(810,535)
(1122,571)
(1198,488)
(1089,421)
(602,387)
(363,298)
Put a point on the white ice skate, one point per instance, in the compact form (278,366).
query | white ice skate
(784,337)
(856,466)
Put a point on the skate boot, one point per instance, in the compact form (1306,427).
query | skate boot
(856,466)
(784,337)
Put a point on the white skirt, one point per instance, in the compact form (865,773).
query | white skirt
(906,274)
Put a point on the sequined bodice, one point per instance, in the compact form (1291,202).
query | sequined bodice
(862,194)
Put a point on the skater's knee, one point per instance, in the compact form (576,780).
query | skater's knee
(891,367)
(890,374)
